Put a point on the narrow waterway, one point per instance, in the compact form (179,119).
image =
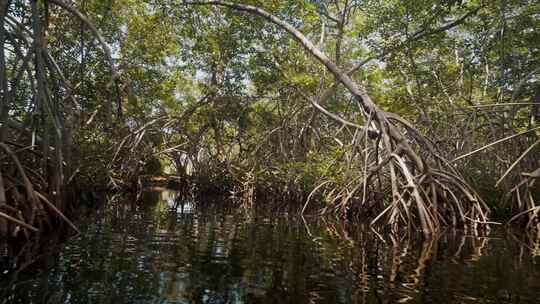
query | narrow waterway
(166,250)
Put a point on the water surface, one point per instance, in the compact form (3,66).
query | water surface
(162,251)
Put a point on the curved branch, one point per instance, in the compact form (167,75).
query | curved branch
(368,106)
(358,91)
(104,45)
(93,29)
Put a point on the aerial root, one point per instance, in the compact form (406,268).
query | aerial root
(422,190)
(522,197)
(22,203)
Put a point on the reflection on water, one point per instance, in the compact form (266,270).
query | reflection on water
(166,251)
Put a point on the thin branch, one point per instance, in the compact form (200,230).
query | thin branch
(493,144)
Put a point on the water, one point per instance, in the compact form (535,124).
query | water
(158,252)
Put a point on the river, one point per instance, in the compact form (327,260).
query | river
(163,251)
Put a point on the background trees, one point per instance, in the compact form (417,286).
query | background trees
(233,103)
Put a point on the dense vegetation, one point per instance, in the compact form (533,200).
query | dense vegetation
(417,114)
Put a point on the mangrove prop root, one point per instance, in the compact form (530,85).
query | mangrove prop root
(32,201)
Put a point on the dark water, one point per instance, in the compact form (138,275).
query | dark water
(161,253)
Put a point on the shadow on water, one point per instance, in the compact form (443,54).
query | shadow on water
(165,250)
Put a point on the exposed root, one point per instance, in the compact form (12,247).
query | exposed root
(24,204)
(426,192)
(523,197)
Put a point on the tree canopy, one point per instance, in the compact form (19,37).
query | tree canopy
(409,113)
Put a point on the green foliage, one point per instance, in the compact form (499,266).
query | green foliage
(230,92)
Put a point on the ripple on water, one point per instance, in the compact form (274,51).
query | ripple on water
(170,252)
